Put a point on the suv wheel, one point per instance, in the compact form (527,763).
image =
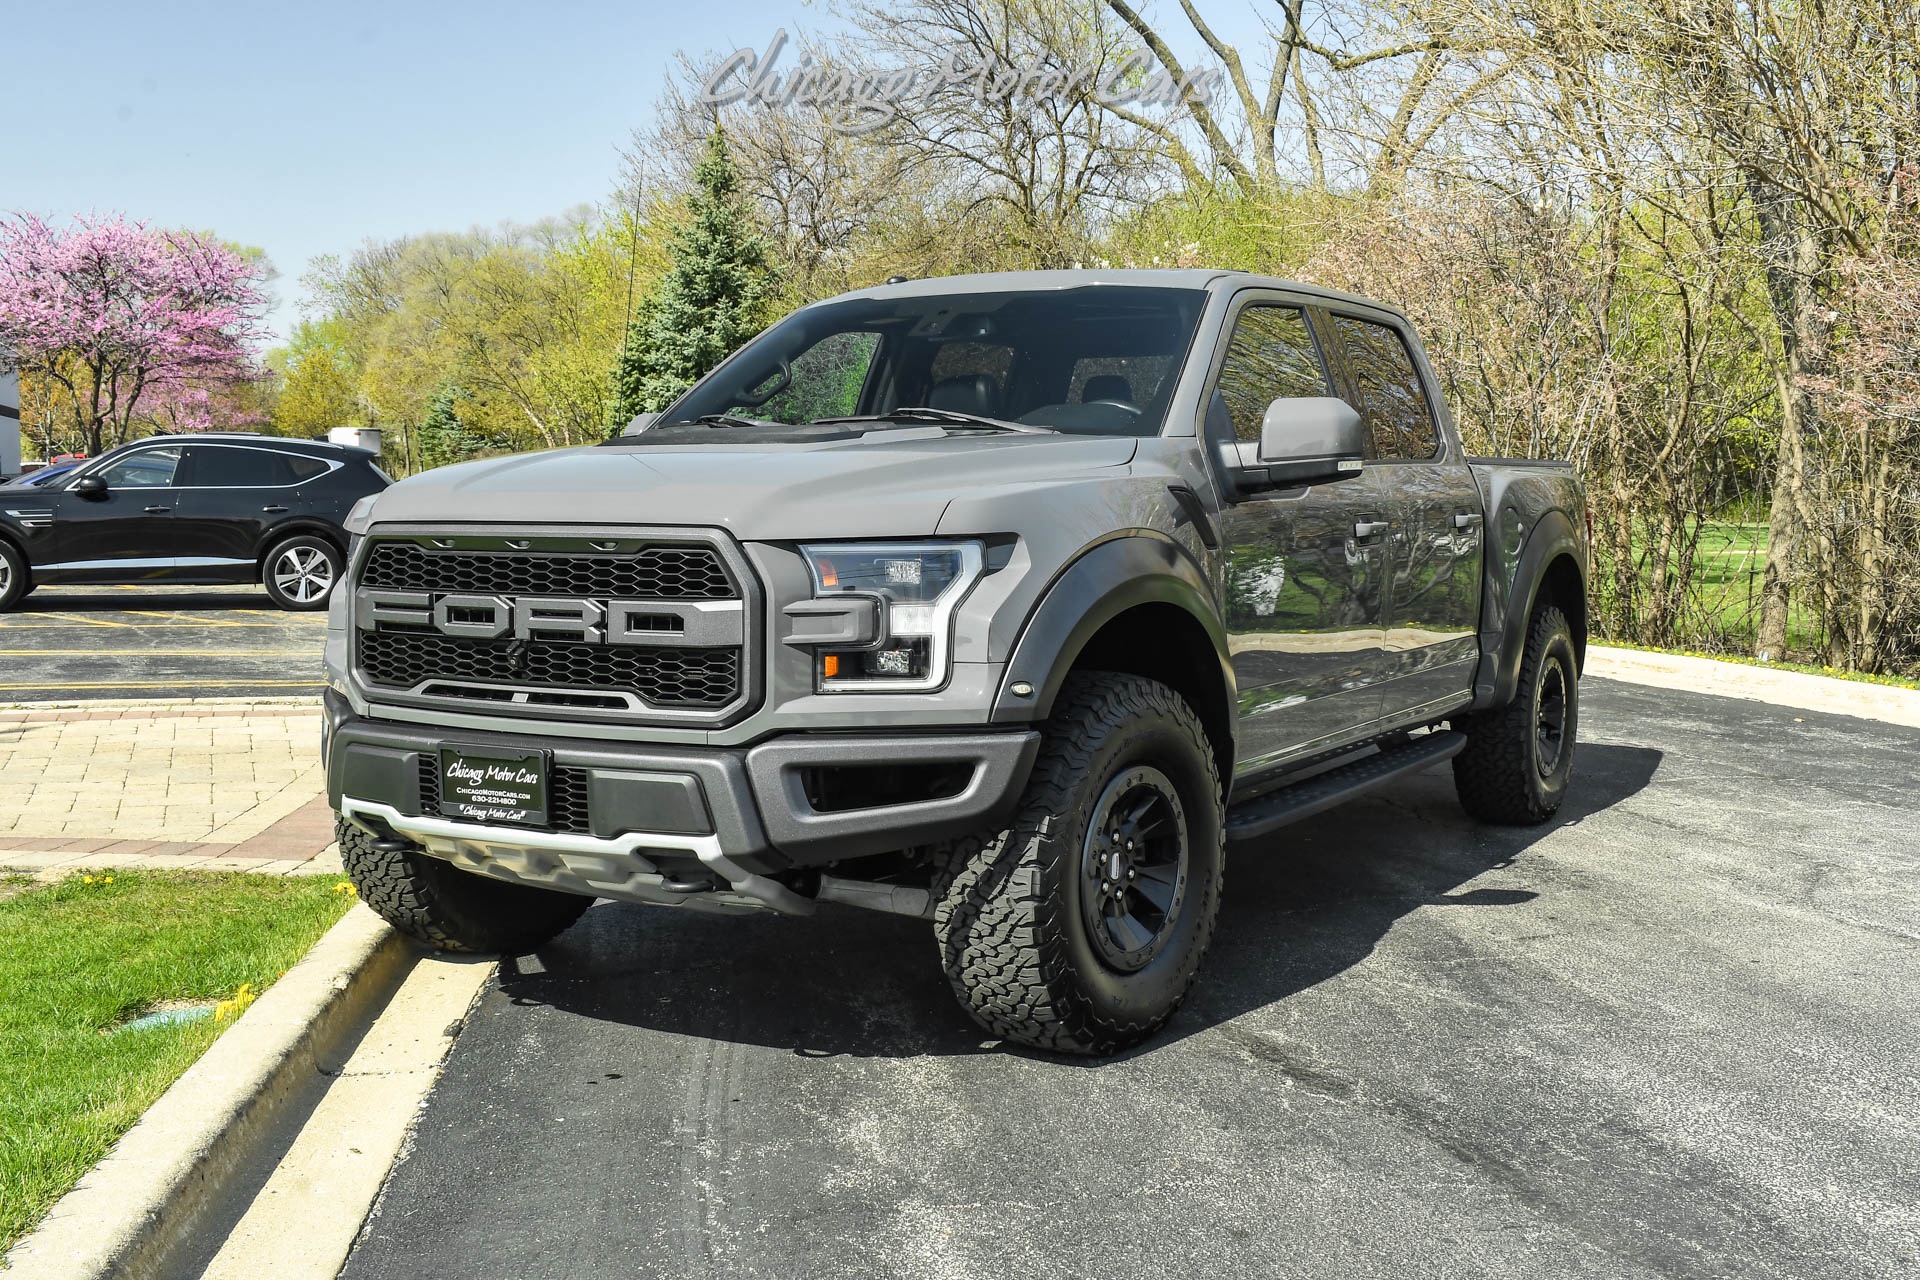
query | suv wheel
(300,573)
(14,579)
(445,907)
(1519,759)
(1080,926)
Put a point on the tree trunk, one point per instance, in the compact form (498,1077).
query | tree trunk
(1793,267)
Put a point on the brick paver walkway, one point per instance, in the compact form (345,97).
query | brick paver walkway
(166,784)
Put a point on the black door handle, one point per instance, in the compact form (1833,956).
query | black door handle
(158,511)
(273,510)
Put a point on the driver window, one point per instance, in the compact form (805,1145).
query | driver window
(827,379)
(147,469)
(1270,356)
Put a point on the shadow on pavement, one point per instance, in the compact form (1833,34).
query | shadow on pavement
(54,600)
(1300,909)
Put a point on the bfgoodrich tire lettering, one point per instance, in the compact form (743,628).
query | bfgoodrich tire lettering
(448,908)
(1519,759)
(1017,927)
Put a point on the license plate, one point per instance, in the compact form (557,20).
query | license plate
(493,788)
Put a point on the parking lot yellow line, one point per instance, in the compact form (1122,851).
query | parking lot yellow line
(78,617)
(159,653)
(7,623)
(172,684)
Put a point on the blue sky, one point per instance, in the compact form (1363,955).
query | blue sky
(304,129)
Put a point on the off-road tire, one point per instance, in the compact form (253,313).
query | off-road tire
(1008,904)
(1504,775)
(15,578)
(300,544)
(451,909)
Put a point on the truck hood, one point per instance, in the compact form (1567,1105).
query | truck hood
(884,483)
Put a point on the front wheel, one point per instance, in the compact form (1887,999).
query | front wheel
(14,579)
(1080,927)
(300,573)
(1519,759)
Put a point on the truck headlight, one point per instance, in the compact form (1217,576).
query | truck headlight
(917,585)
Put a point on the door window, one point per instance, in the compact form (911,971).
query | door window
(223,467)
(1399,419)
(1271,355)
(147,469)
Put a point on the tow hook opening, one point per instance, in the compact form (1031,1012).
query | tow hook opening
(843,788)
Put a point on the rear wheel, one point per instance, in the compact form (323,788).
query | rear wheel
(300,573)
(448,908)
(1519,759)
(1080,927)
(14,579)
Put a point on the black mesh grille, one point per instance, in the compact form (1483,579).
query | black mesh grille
(566,795)
(656,573)
(669,678)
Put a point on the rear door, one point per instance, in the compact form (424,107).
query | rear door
(235,494)
(1304,578)
(125,533)
(1434,540)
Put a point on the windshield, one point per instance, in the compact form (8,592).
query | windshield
(1096,360)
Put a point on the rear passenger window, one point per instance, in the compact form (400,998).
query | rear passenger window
(1270,356)
(1398,416)
(303,467)
(217,467)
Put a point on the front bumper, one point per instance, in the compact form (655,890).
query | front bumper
(738,819)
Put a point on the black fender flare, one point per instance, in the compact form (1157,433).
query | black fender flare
(1103,582)
(1551,537)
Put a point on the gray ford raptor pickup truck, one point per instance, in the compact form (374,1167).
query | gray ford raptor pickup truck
(1006,601)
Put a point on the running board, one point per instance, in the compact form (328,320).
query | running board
(1276,809)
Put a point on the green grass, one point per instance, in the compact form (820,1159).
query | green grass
(77,959)
(1726,590)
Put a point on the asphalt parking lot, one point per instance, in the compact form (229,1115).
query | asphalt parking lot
(1671,1034)
(86,643)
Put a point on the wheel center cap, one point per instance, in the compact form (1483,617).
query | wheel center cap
(1116,864)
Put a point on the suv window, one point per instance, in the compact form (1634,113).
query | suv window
(1394,403)
(147,469)
(1271,355)
(303,467)
(226,467)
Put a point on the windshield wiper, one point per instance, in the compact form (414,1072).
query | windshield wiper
(730,420)
(947,418)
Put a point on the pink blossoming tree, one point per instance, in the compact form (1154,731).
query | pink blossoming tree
(133,323)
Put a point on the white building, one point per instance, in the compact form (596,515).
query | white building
(9,425)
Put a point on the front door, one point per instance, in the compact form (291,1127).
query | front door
(1304,575)
(123,534)
(1435,538)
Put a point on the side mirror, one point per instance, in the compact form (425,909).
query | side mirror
(90,487)
(641,421)
(1308,440)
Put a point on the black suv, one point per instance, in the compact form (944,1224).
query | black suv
(191,509)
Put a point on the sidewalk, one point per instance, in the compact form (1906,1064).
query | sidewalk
(212,785)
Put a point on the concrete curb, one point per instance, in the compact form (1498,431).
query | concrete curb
(1758,684)
(140,1208)
(297,702)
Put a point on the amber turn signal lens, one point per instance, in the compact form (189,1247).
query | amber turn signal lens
(830,665)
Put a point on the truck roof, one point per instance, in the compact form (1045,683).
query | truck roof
(1202,278)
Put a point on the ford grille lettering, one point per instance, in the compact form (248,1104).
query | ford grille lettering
(567,619)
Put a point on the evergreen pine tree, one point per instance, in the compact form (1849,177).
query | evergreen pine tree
(444,438)
(713,299)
